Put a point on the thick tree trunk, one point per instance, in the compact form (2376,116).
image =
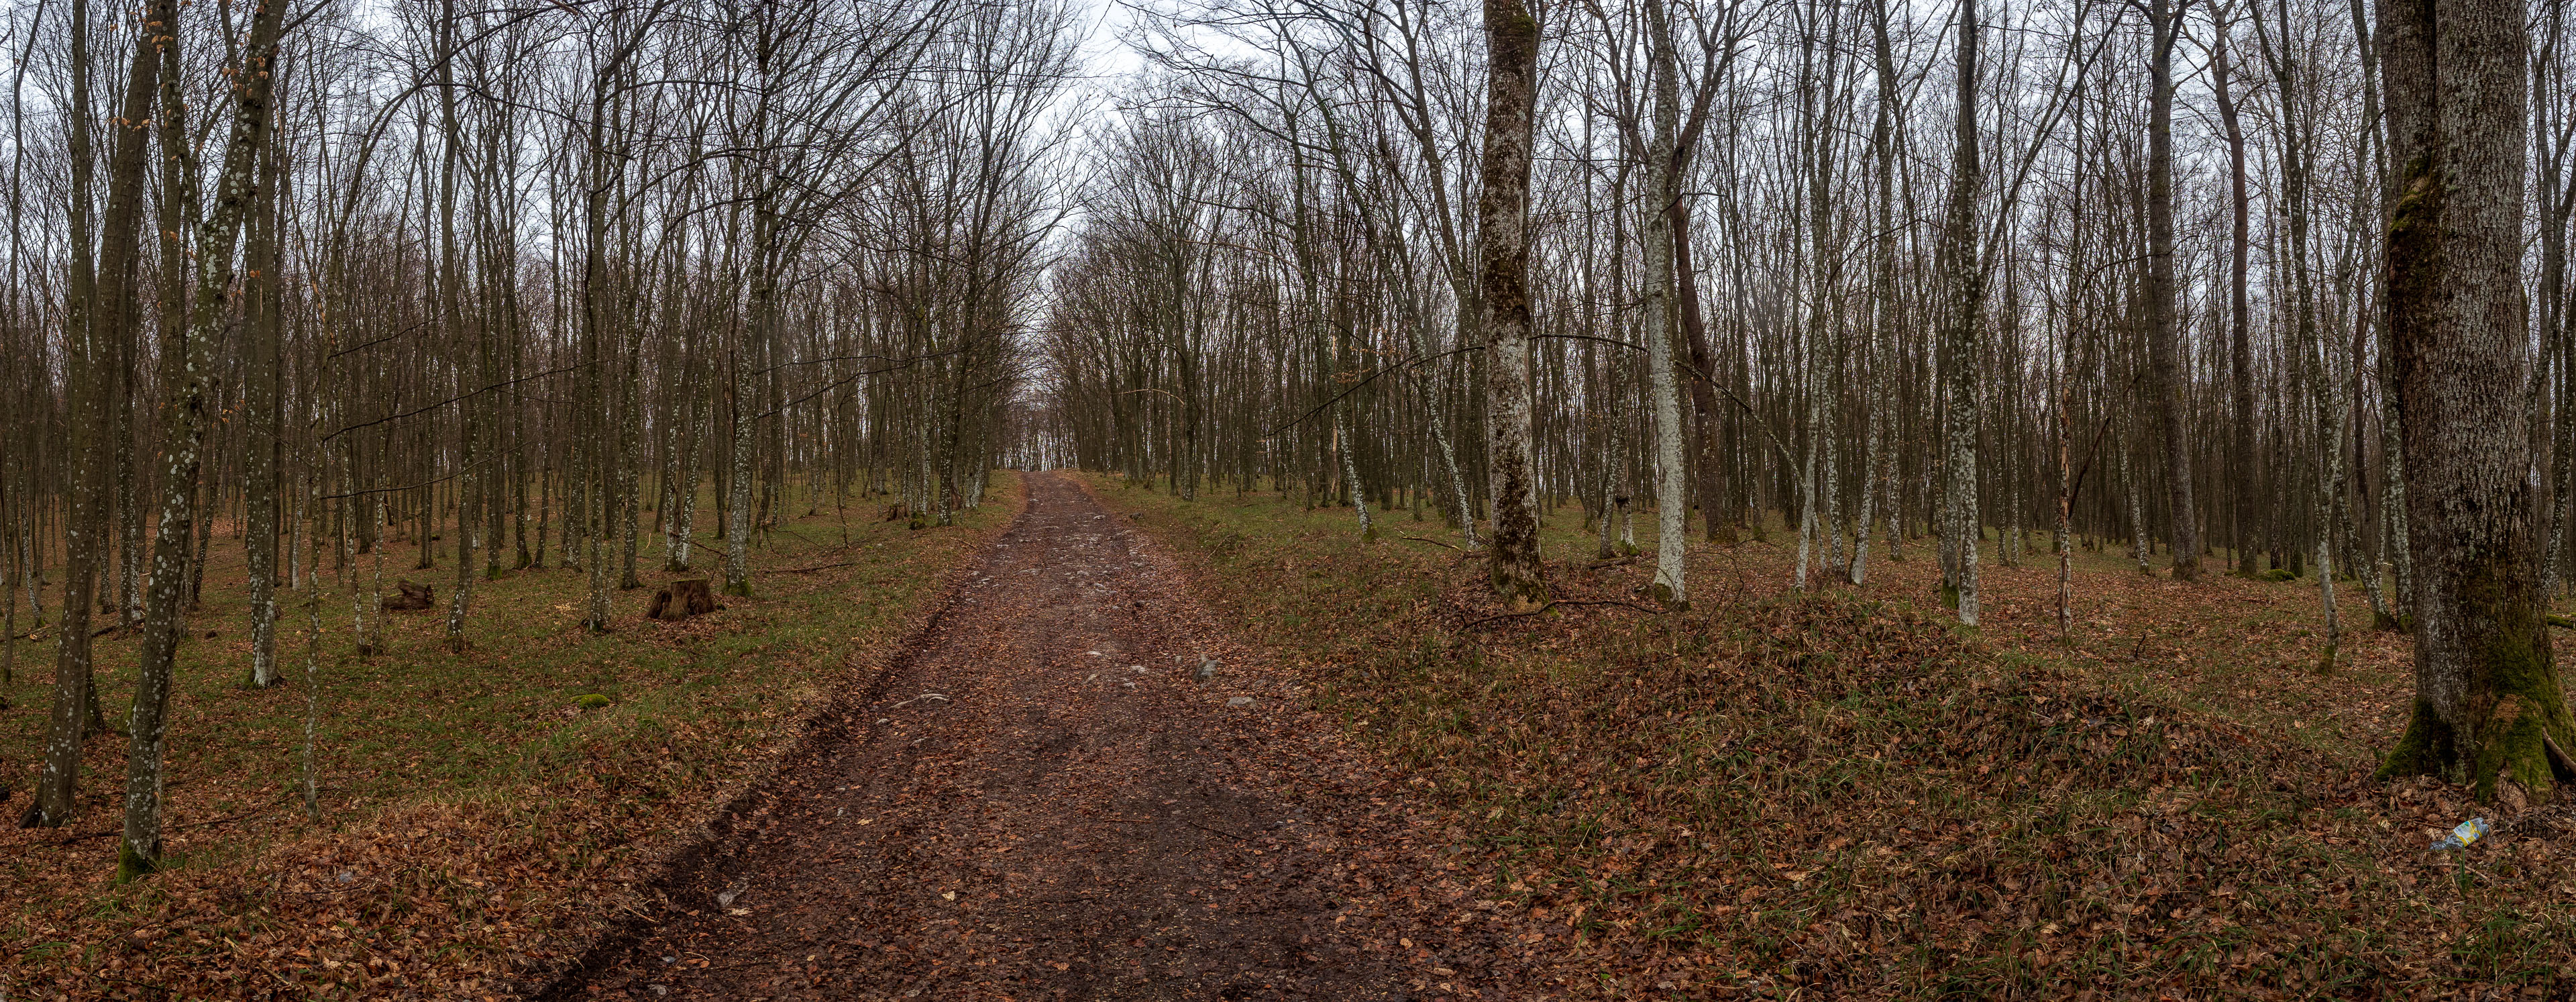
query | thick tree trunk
(1965,282)
(2166,24)
(1502,215)
(2487,694)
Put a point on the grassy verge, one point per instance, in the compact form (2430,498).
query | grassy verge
(1778,794)
(480,820)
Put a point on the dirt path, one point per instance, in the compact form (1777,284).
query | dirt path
(1039,801)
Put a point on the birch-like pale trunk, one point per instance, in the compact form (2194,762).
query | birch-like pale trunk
(737,572)
(2142,545)
(1818,529)
(451,305)
(313,658)
(2563,510)
(1351,471)
(2329,434)
(2065,536)
(1672,504)
(366,601)
(684,524)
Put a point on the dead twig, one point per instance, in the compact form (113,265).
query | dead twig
(1219,831)
(138,984)
(1434,542)
(84,836)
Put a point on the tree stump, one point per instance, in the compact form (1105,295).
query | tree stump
(894,512)
(409,596)
(682,599)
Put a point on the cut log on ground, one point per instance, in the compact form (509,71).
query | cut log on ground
(409,596)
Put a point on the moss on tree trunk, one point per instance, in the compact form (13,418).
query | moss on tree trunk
(2515,709)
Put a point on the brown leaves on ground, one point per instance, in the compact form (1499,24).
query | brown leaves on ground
(1778,794)
(1043,799)
(482,826)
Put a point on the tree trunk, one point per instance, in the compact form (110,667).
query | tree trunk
(187,379)
(263,400)
(1672,504)
(1502,215)
(1965,281)
(1881,338)
(2240,345)
(2165,23)
(2487,694)
(100,297)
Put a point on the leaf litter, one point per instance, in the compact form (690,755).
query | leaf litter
(1036,836)
(1779,795)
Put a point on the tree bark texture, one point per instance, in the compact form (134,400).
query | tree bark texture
(2487,690)
(1502,218)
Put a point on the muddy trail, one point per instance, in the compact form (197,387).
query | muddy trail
(1041,799)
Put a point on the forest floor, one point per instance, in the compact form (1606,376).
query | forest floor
(481,825)
(1386,788)
(1844,793)
(1047,797)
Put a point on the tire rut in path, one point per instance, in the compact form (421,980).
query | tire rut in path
(1042,803)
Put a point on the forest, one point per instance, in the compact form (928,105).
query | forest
(492,477)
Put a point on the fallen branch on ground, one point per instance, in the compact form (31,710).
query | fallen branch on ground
(1553,603)
(818,567)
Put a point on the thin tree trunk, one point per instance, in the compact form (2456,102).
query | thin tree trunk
(1672,504)
(187,389)
(100,299)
